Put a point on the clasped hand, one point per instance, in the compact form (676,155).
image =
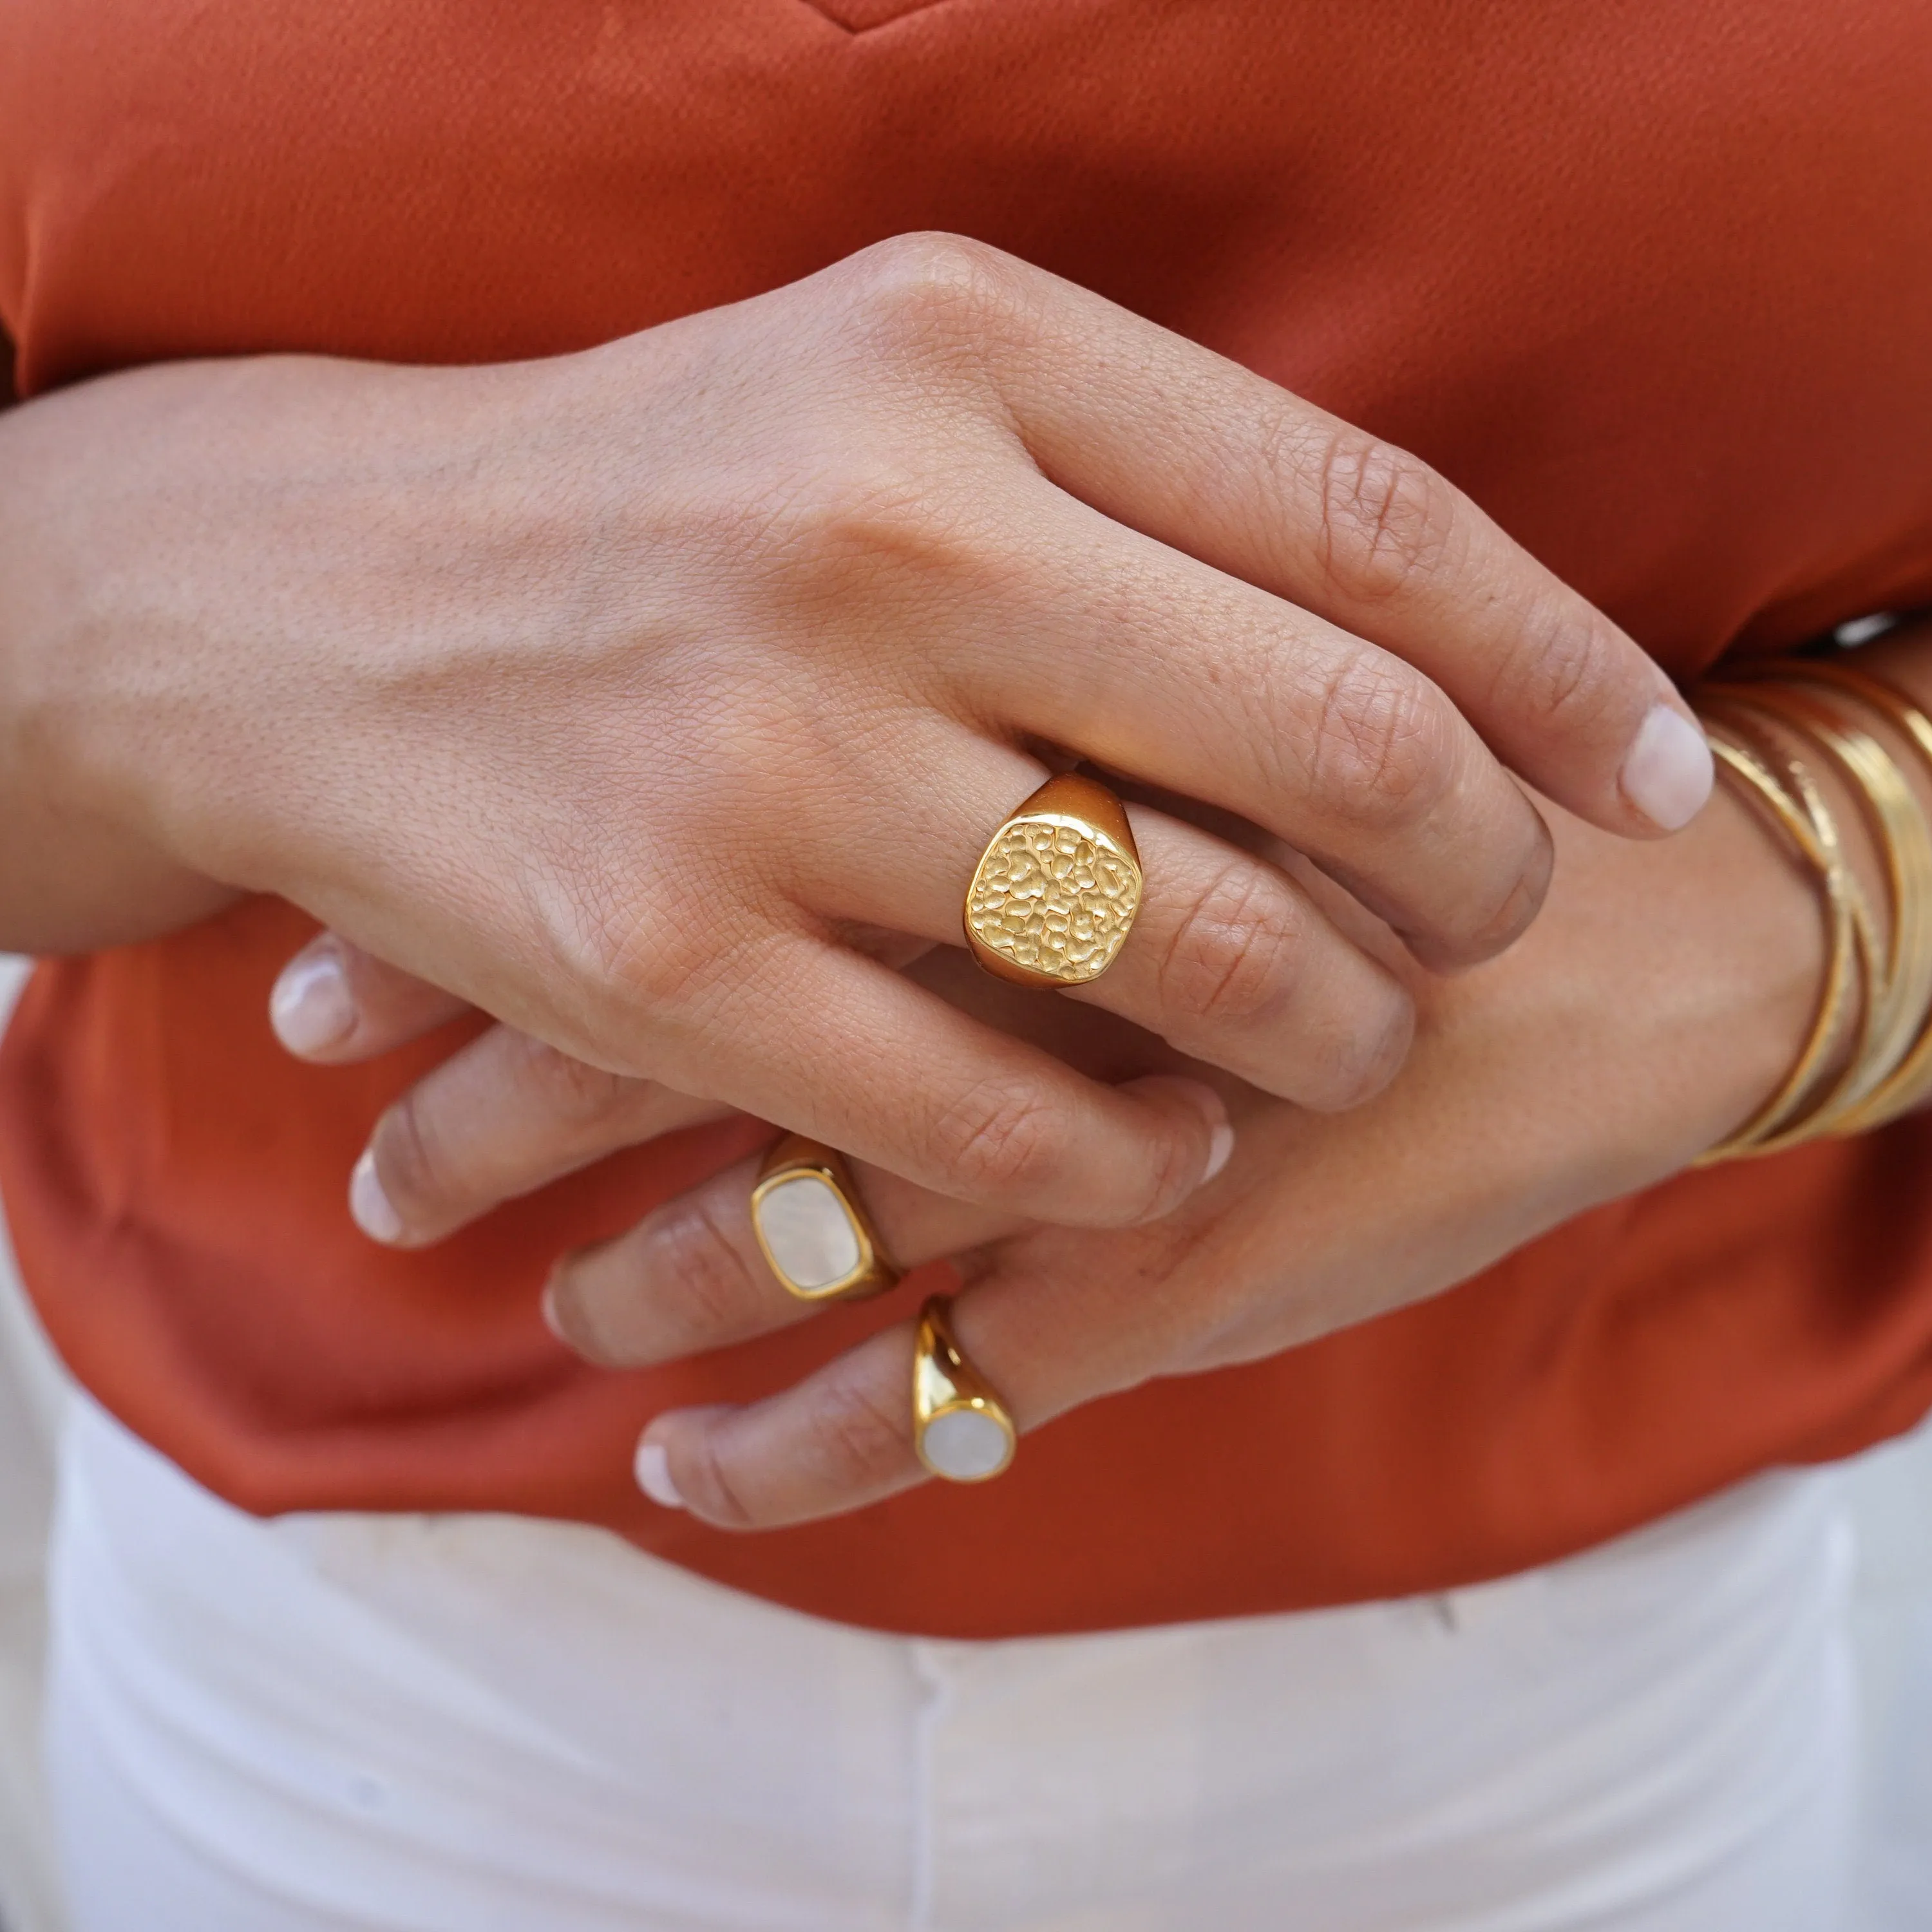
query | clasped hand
(657,700)
(1658,998)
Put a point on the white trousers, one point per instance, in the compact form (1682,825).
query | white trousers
(459,1723)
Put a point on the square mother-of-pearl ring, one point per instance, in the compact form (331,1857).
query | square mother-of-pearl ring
(811,1227)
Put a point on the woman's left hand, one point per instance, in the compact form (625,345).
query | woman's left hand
(1660,997)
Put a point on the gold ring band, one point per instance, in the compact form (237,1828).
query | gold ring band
(1057,888)
(959,1426)
(812,1231)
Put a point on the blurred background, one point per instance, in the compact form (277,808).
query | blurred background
(32,1393)
(1891,1491)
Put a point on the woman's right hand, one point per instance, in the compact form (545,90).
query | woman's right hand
(659,699)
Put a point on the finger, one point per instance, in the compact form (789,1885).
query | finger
(504,1115)
(801,1032)
(1217,461)
(1229,960)
(691,1277)
(1235,698)
(843,1437)
(333,1003)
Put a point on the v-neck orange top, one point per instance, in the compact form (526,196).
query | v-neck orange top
(1654,282)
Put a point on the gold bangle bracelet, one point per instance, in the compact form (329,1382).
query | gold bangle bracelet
(1899,829)
(1867,1056)
(1899,981)
(1910,1082)
(1767,1130)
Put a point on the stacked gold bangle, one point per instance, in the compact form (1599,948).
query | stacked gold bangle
(1868,1058)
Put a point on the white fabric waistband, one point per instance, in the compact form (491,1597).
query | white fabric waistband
(462,1722)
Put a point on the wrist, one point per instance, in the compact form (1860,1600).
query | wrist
(81,867)
(1664,991)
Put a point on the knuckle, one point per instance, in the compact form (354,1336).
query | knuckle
(667,970)
(1235,954)
(862,1437)
(1383,515)
(1570,669)
(411,1160)
(712,1289)
(929,290)
(1368,1052)
(1379,749)
(1489,911)
(1498,921)
(1172,1174)
(705,1477)
(572,1092)
(863,522)
(637,938)
(676,976)
(1001,1141)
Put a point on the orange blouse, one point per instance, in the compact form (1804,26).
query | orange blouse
(1654,282)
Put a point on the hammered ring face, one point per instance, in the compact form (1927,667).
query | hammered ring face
(1054,896)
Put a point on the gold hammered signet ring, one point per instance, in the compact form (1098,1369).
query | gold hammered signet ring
(811,1227)
(1057,888)
(959,1426)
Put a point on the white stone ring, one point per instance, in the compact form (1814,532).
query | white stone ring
(959,1426)
(812,1229)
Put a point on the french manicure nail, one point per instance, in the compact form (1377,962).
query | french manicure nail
(369,1206)
(652,1466)
(1220,1151)
(1668,772)
(311,1008)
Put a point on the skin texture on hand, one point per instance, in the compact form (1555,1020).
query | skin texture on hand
(1660,995)
(1663,993)
(653,697)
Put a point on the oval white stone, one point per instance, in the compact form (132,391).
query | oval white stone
(809,1233)
(964,1444)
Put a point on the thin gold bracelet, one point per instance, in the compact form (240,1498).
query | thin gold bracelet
(1899,992)
(1762,726)
(1766,1130)
(1910,1085)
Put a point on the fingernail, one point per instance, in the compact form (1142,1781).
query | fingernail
(1667,772)
(547,1307)
(653,1467)
(369,1206)
(1220,1128)
(311,1008)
